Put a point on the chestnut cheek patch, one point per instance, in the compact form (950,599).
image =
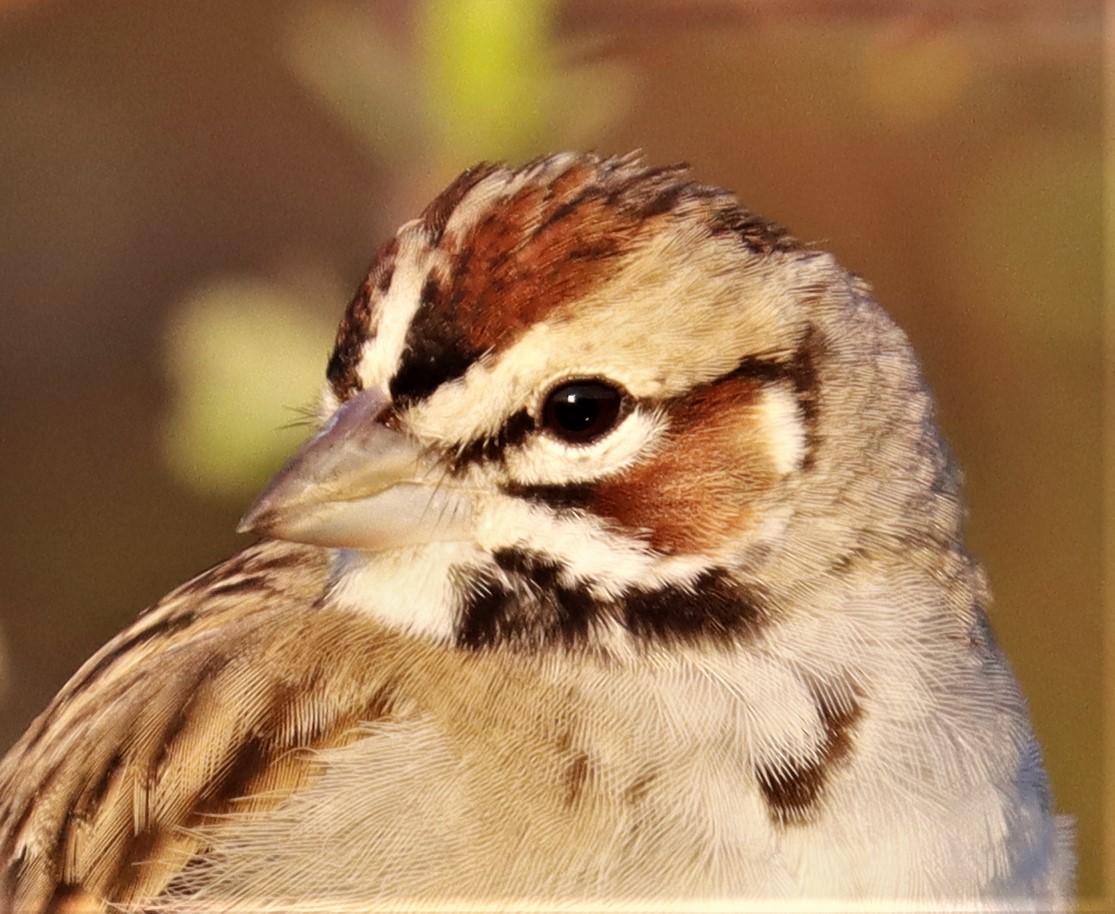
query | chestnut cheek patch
(697,492)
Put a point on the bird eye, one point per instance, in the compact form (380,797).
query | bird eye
(580,412)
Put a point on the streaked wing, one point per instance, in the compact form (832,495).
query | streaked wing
(106,795)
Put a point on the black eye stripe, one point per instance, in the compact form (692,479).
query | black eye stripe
(512,433)
(560,497)
(799,371)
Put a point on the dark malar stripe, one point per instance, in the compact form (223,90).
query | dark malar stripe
(530,606)
(713,608)
(534,610)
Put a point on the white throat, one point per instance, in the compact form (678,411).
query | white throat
(409,589)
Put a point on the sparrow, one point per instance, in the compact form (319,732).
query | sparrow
(626,567)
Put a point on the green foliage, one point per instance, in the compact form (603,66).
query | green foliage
(488,75)
(241,399)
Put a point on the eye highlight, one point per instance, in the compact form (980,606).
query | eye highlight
(582,411)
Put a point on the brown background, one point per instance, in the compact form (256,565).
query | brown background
(950,152)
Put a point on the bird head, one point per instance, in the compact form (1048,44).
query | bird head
(596,401)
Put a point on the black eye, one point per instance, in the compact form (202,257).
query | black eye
(582,411)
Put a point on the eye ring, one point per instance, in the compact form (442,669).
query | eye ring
(583,410)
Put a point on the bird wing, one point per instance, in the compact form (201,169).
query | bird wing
(108,794)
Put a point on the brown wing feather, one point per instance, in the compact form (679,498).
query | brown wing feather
(106,794)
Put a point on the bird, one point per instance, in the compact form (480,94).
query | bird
(625,566)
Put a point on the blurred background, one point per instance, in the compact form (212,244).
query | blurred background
(189,192)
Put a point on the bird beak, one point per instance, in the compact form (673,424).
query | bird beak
(360,485)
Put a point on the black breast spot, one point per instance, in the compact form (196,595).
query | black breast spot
(794,787)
